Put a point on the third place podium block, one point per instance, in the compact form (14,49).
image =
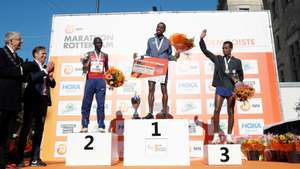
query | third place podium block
(223,154)
(90,149)
(156,143)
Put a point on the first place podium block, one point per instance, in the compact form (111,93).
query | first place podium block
(90,149)
(222,154)
(156,143)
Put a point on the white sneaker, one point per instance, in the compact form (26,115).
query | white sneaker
(216,139)
(84,130)
(101,130)
(229,139)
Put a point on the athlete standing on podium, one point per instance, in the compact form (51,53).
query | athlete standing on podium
(159,46)
(95,64)
(227,72)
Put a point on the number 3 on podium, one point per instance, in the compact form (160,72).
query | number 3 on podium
(224,154)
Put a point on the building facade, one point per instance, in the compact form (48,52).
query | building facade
(240,5)
(286,31)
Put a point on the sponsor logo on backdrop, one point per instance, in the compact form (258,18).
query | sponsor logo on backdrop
(74,38)
(157,87)
(223,127)
(186,107)
(71,70)
(69,108)
(129,88)
(253,106)
(188,86)
(237,42)
(210,105)
(209,67)
(254,82)
(188,68)
(107,107)
(251,126)
(250,66)
(60,149)
(196,149)
(66,127)
(71,88)
(125,107)
(208,86)
(194,129)
(126,67)
(157,106)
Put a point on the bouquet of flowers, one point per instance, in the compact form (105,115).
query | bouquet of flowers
(181,42)
(243,92)
(283,142)
(114,77)
(253,145)
(85,60)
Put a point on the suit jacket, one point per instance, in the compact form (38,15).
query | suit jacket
(10,81)
(220,78)
(165,52)
(35,84)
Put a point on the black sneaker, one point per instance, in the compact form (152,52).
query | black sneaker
(149,116)
(21,164)
(37,163)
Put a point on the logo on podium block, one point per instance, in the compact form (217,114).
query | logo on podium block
(156,143)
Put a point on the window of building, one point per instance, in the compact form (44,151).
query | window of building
(281,76)
(291,50)
(294,63)
(244,9)
(274,9)
(297,47)
(295,75)
(277,43)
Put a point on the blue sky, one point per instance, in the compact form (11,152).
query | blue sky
(33,17)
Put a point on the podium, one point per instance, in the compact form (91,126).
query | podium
(222,154)
(92,149)
(156,143)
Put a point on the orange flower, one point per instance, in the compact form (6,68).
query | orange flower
(114,77)
(181,42)
(244,92)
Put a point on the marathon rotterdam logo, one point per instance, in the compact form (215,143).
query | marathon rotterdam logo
(75,39)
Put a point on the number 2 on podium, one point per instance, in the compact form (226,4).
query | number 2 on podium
(155,124)
(88,145)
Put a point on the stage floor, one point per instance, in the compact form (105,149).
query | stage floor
(195,164)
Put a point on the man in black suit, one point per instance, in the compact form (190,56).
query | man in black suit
(11,73)
(36,100)
(227,72)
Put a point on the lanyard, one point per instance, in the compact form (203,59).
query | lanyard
(227,63)
(160,43)
(98,56)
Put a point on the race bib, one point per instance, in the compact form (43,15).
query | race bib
(96,67)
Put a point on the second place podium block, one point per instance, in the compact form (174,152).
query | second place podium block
(89,149)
